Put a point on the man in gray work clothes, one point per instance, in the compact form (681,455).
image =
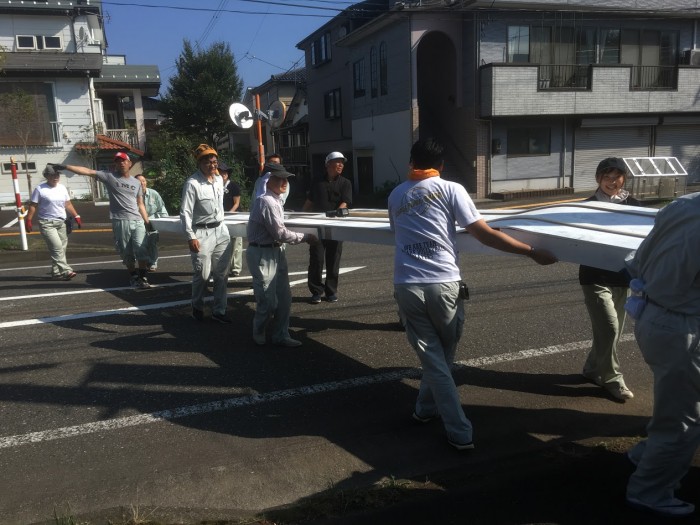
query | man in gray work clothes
(666,267)
(267,260)
(128,214)
(202,219)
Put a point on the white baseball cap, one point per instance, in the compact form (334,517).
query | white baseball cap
(335,155)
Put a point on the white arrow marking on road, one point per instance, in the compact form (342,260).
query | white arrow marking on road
(143,308)
(257,399)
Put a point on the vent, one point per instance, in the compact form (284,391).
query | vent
(692,57)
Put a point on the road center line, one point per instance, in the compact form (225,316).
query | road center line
(279,395)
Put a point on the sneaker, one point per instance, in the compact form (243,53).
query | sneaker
(332,298)
(68,276)
(618,391)
(288,342)
(141,283)
(259,339)
(422,419)
(222,318)
(315,299)
(152,268)
(674,508)
(461,446)
(234,273)
(197,314)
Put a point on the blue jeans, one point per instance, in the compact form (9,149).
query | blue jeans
(434,316)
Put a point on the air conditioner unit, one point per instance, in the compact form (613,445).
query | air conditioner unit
(691,57)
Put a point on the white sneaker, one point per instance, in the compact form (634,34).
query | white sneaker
(618,391)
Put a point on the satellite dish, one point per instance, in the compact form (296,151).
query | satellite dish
(240,115)
(277,112)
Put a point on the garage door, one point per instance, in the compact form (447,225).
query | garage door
(682,142)
(595,144)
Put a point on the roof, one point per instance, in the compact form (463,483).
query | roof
(51,6)
(105,143)
(293,76)
(57,64)
(120,76)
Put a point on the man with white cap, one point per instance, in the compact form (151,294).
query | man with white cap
(202,219)
(330,193)
(128,214)
(267,261)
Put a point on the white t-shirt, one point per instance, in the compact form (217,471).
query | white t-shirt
(422,215)
(51,201)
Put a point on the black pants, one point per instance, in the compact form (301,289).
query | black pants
(328,251)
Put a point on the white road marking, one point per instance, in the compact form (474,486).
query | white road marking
(143,308)
(118,288)
(257,399)
(75,265)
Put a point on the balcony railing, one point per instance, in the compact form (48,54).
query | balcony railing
(564,76)
(130,136)
(294,154)
(654,78)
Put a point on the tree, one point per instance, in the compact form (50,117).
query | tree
(18,110)
(200,93)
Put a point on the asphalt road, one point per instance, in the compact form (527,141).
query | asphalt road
(113,399)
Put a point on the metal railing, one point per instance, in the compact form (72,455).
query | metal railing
(653,77)
(125,135)
(564,76)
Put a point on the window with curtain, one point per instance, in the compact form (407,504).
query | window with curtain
(373,72)
(35,125)
(383,83)
(518,44)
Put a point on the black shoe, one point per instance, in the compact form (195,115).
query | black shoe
(197,314)
(422,419)
(332,298)
(222,318)
(461,446)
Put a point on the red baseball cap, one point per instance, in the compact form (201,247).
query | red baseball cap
(121,155)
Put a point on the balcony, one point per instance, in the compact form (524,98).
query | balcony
(597,89)
(128,136)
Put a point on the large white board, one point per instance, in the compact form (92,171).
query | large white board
(592,233)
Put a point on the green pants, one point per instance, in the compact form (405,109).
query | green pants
(54,233)
(606,308)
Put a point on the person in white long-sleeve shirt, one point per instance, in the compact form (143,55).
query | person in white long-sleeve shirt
(267,261)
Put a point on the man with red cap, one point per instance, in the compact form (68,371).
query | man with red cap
(128,214)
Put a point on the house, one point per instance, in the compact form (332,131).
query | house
(329,84)
(55,51)
(527,96)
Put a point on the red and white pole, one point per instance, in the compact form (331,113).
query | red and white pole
(21,212)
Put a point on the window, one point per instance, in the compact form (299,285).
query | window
(609,46)
(518,43)
(31,42)
(373,71)
(331,104)
(358,78)
(321,50)
(383,85)
(22,167)
(529,141)
(30,115)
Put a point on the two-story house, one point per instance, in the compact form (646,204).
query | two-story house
(54,52)
(329,83)
(526,95)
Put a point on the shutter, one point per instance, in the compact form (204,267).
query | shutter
(682,142)
(595,144)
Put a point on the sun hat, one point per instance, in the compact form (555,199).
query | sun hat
(277,170)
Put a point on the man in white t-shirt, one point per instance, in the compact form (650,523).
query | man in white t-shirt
(422,213)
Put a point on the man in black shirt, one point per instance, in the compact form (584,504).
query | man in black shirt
(331,192)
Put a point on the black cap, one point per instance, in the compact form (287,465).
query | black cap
(223,166)
(49,170)
(612,163)
(277,170)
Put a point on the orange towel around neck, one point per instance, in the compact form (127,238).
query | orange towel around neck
(414,174)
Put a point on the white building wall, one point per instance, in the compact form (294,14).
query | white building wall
(389,139)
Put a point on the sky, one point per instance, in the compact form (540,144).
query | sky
(262,34)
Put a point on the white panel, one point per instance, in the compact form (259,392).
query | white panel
(592,233)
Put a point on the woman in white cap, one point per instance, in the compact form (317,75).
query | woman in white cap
(50,201)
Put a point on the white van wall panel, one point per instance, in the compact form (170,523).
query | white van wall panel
(595,144)
(682,142)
